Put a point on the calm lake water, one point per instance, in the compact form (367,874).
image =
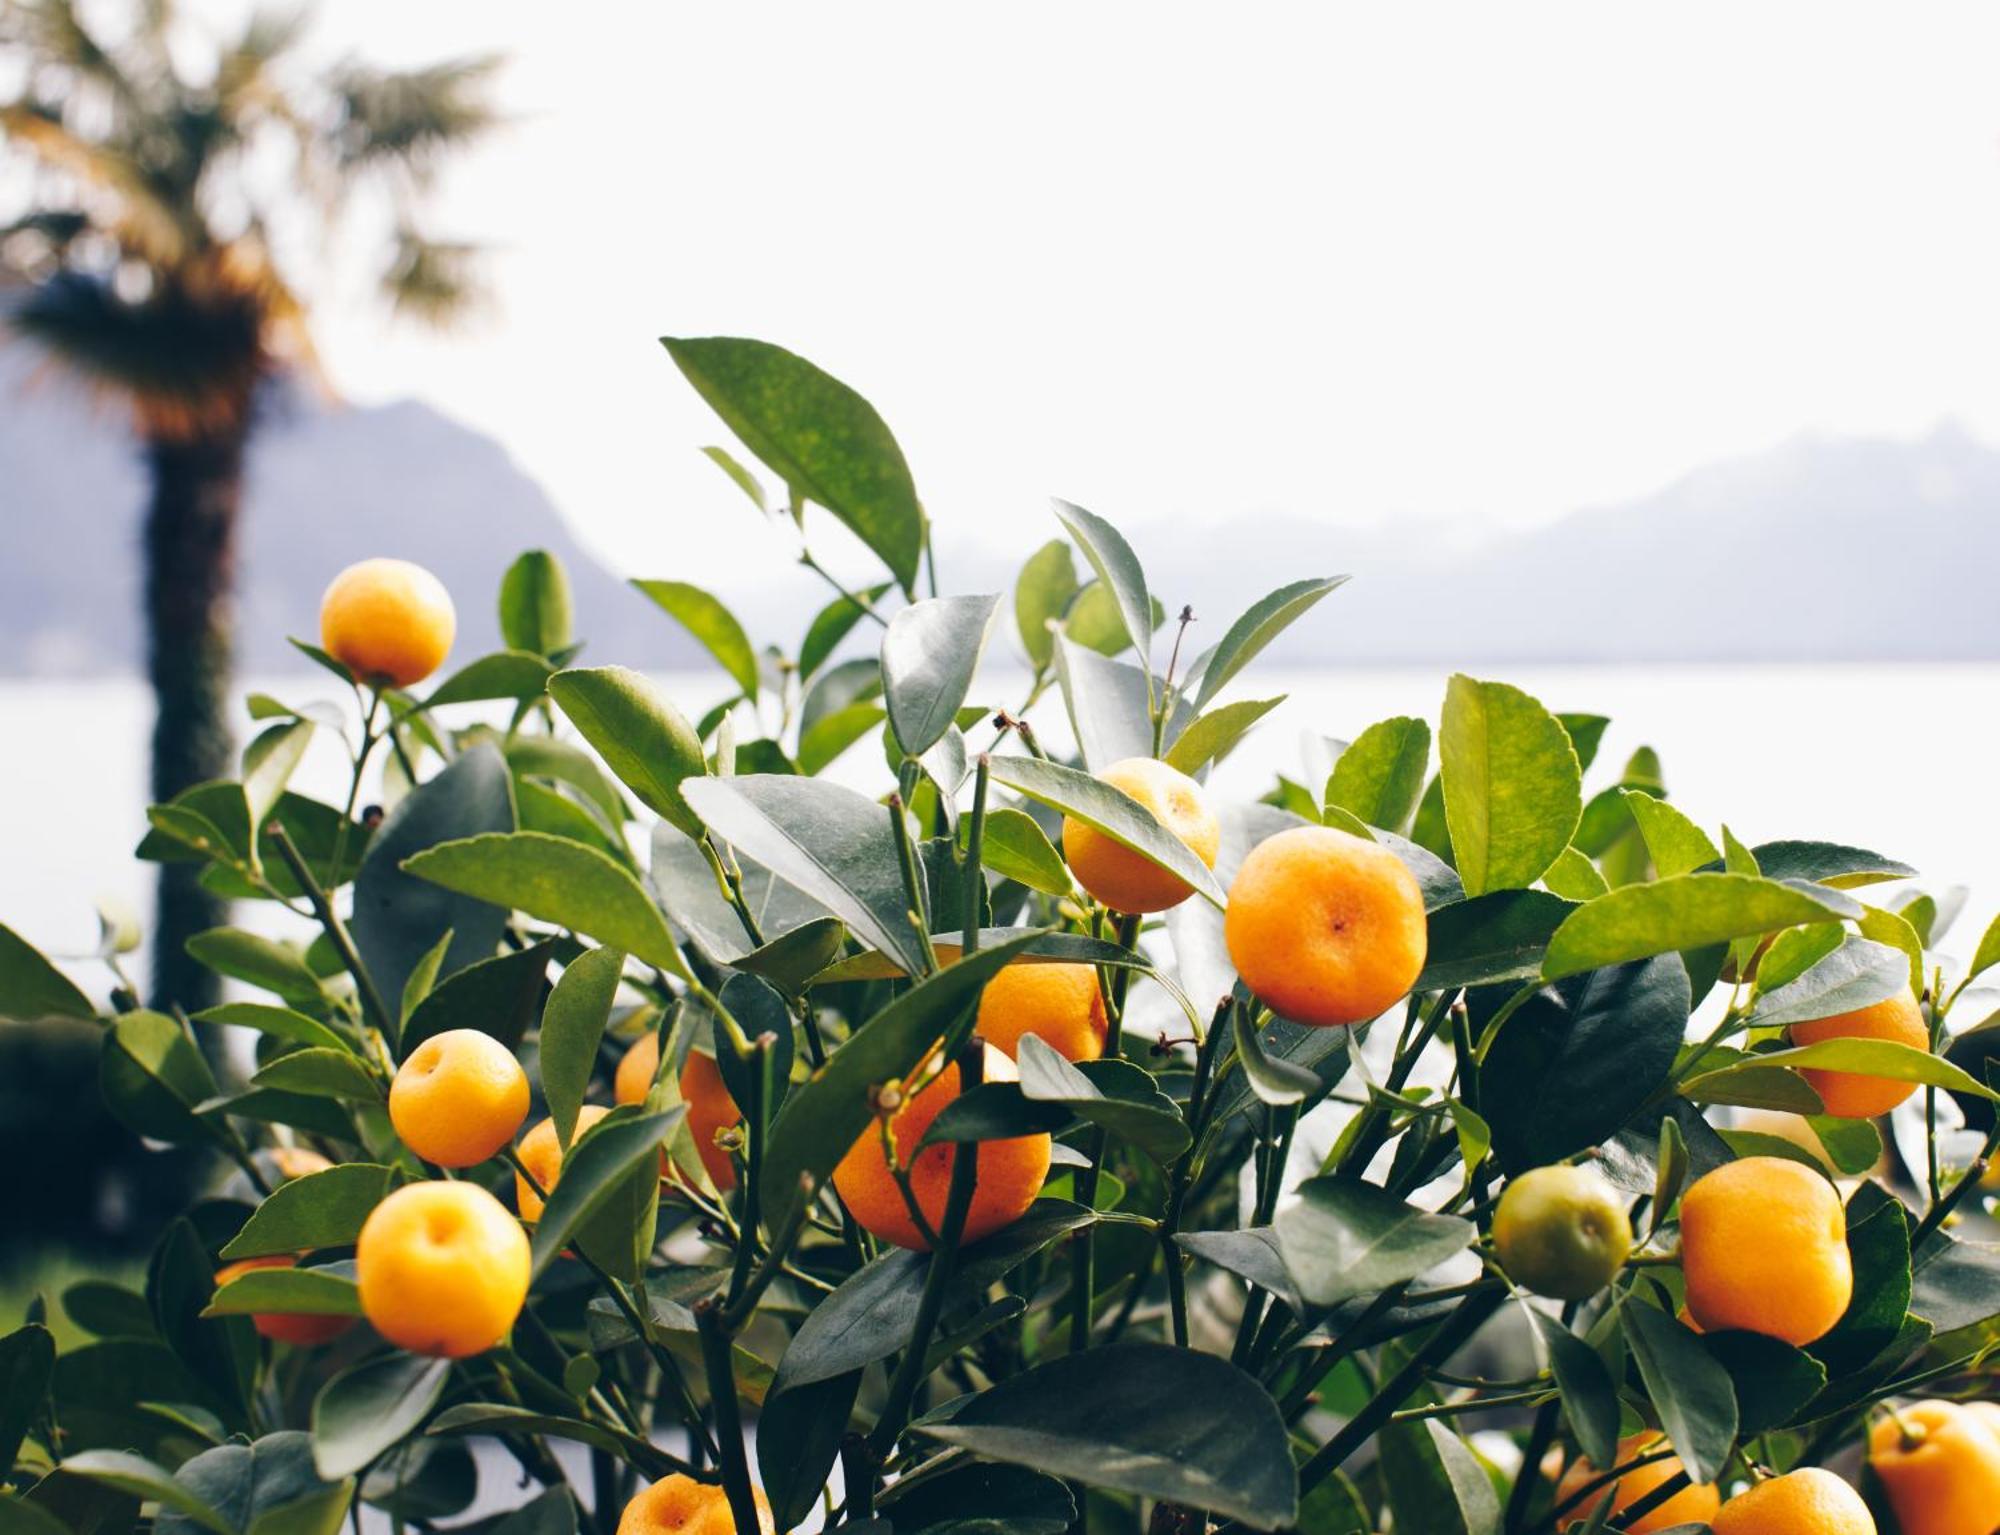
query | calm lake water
(1900,759)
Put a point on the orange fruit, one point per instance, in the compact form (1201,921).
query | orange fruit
(298,1328)
(636,1069)
(297,1161)
(1987,1413)
(1127,881)
(459,1098)
(1808,1502)
(542,1154)
(1326,927)
(1011,1172)
(1562,1231)
(443,1269)
(1764,1250)
(1691,1505)
(1061,1005)
(679,1505)
(1946,1482)
(709,1109)
(1850,1094)
(387,621)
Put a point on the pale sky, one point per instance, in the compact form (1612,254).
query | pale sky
(1473,263)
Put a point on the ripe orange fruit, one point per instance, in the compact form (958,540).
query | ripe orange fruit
(1562,1231)
(387,621)
(443,1269)
(709,1109)
(459,1098)
(1946,1482)
(1010,1171)
(1062,1005)
(1850,1094)
(301,1329)
(679,1505)
(1808,1502)
(1326,927)
(1987,1413)
(636,1069)
(1764,1249)
(1127,881)
(542,1154)
(1691,1505)
(297,1161)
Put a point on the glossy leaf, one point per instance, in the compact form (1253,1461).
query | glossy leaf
(536,609)
(31,988)
(1110,707)
(1042,593)
(1119,569)
(1434,1483)
(497,996)
(592,1172)
(515,674)
(1121,1097)
(1013,846)
(1500,936)
(1110,811)
(1216,734)
(930,652)
(258,961)
(1693,1394)
(817,435)
(573,1023)
(153,1077)
(1589,1398)
(1265,620)
(321,1073)
(1272,1078)
(322,1209)
(559,881)
(1380,777)
(1828,863)
(371,1406)
(1867,1057)
(1144,1418)
(832,624)
(1858,974)
(288,1291)
(642,737)
(1342,1239)
(1688,911)
(709,620)
(1512,787)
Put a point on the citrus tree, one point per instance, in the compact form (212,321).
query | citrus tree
(1034,1139)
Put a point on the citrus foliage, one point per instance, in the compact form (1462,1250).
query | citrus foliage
(719,1029)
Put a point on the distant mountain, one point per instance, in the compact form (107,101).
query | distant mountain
(1822,549)
(325,486)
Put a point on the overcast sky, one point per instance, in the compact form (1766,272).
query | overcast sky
(1478,264)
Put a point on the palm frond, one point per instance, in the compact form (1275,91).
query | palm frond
(135,213)
(243,74)
(434,281)
(53,32)
(408,117)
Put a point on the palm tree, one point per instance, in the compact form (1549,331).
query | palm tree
(176,183)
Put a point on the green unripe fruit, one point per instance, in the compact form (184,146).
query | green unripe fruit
(1562,1231)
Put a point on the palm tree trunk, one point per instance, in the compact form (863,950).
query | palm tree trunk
(190,543)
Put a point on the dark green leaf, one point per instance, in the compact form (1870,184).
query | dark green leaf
(1828,863)
(497,1418)
(1692,1393)
(1118,1095)
(974,1498)
(288,1291)
(27,1360)
(1773,1380)
(320,1072)
(322,1209)
(573,1023)
(1956,1284)
(1343,1239)
(1111,811)
(929,654)
(1272,1078)
(258,961)
(831,625)
(1499,936)
(1589,1398)
(1878,1246)
(1858,974)
(1118,568)
(798,1439)
(371,1406)
(497,996)
(1434,1483)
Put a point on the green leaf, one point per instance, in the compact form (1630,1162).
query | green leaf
(823,1119)
(1854,1146)
(397,919)
(799,1433)
(1678,845)
(1869,1057)
(1110,704)
(1014,847)
(1692,1393)
(573,1023)
(1589,1399)
(1828,863)
(1773,1380)
(642,737)
(1434,1483)
(1094,620)
(974,1498)
(322,1209)
(1795,951)
(556,880)
(817,435)
(1895,930)
(832,624)
(822,742)
(1110,811)
(1577,1059)
(744,480)
(31,988)
(1956,1284)
(1160,1422)
(287,1291)
(1275,1080)
(497,996)
(592,1171)
(142,1479)
(370,1407)
(1499,936)
(1984,958)
(1380,777)
(929,654)
(1214,735)
(565,762)
(835,845)
(268,762)
(318,1072)
(1118,1095)
(1119,569)
(422,980)
(152,1076)
(1042,593)
(512,674)
(1265,620)
(27,1360)
(1878,1247)
(1586,733)
(1688,911)
(1342,1239)
(257,961)
(1513,791)
(706,617)
(1858,974)
(535,605)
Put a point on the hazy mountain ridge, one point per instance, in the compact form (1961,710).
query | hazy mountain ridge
(1820,549)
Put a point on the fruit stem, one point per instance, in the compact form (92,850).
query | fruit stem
(1941,1209)
(913,885)
(913,1367)
(973,904)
